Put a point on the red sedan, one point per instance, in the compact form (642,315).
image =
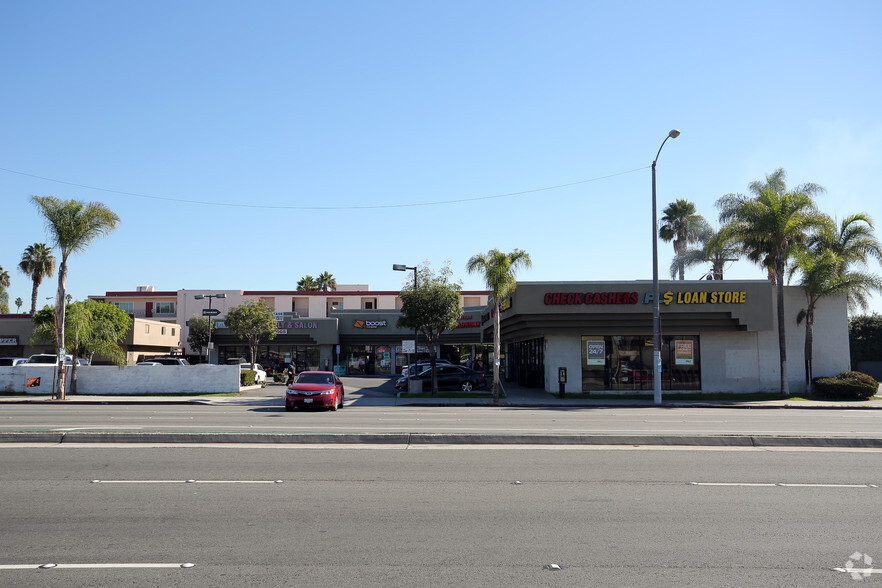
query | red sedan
(315,389)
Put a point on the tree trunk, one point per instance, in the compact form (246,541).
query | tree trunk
(433,364)
(496,351)
(809,341)
(34,297)
(60,316)
(782,337)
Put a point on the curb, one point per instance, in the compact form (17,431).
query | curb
(294,439)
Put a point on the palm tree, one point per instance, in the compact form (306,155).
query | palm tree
(325,282)
(775,181)
(772,226)
(853,243)
(681,225)
(37,262)
(713,249)
(499,271)
(74,226)
(18,303)
(825,274)
(4,297)
(307,284)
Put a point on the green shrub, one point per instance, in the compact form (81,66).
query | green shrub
(280,377)
(847,386)
(246,378)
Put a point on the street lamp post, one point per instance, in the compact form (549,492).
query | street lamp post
(656,315)
(400,267)
(209,296)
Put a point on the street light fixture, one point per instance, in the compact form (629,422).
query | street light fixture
(400,267)
(210,314)
(656,316)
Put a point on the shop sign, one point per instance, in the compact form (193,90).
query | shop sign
(466,322)
(727,297)
(684,352)
(9,340)
(573,298)
(595,352)
(360,324)
(297,325)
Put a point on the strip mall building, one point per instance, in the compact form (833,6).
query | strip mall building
(717,336)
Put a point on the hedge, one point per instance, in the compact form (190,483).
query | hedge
(848,386)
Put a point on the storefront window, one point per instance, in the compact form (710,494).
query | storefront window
(625,363)
(526,362)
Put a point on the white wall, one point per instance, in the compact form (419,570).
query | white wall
(133,379)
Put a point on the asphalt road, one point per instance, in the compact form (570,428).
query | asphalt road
(270,417)
(436,516)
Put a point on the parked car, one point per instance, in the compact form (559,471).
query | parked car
(11,361)
(169,360)
(148,363)
(259,377)
(52,359)
(454,377)
(315,389)
(420,366)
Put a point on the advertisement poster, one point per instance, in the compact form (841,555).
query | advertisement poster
(595,353)
(684,353)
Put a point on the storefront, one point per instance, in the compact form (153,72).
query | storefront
(717,336)
(308,344)
(372,343)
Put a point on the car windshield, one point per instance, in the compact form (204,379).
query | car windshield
(307,378)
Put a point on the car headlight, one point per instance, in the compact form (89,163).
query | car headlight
(326,392)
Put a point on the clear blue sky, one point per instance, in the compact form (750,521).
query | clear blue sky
(232,119)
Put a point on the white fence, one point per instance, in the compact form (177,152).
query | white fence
(133,379)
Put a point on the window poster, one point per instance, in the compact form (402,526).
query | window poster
(595,352)
(684,352)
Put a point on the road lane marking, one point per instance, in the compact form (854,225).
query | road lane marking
(186,481)
(95,566)
(782,484)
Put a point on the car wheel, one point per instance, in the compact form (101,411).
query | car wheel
(289,408)
(467,386)
(341,401)
(334,405)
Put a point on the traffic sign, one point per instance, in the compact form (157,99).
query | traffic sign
(210,312)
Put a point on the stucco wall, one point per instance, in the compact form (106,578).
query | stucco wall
(133,379)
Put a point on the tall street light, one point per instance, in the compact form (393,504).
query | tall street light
(209,313)
(400,267)
(656,316)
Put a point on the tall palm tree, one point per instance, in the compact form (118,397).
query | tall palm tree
(4,297)
(307,284)
(824,274)
(499,271)
(854,243)
(772,225)
(74,226)
(712,248)
(18,303)
(37,262)
(326,281)
(777,182)
(681,225)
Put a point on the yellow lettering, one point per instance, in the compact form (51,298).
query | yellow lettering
(744,298)
(668,297)
(702,298)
